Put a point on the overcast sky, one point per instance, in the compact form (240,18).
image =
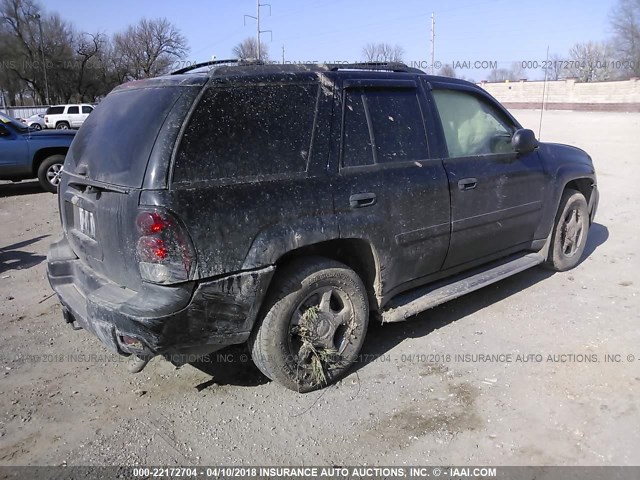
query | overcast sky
(505,31)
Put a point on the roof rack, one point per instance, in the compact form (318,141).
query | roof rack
(388,66)
(211,63)
(380,66)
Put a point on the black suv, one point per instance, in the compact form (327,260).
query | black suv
(283,205)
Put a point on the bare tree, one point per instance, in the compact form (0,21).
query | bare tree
(555,68)
(590,62)
(248,50)
(625,21)
(79,66)
(447,71)
(20,46)
(150,47)
(89,50)
(513,74)
(517,72)
(382,52)
(499,75)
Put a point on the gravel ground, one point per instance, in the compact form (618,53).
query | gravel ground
(551,399)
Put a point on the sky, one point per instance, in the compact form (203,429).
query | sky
(469,31)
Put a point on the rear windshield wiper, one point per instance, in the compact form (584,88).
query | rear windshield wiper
(95,186)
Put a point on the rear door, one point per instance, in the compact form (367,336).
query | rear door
(74,116)
(249,179)
(388,190)
(496,194)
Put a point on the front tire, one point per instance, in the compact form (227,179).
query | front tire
(49,172)
(313,326)
(570,230)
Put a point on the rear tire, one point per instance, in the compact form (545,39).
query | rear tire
(49,172)
(570,230)
(62,126)
(313,325)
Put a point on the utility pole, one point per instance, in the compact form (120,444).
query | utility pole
(258,31)
(44,64)
(258,27)
(283,53)
(433,42)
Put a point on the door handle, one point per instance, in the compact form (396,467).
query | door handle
(468,183)
(360,200)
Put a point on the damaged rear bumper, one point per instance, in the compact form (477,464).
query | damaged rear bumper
(175,321)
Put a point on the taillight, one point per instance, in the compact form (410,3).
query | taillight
(46,119)
(164,251)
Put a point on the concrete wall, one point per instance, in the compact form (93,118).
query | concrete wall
(568,94)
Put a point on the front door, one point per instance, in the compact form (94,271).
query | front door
(14,151)
(496,194)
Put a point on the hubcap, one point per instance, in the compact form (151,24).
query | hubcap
(571,232)
(322,325)
(53,174)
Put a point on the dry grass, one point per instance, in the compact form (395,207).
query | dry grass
(320,356)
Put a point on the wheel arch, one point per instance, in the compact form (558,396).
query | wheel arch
(357,254)
(583,185)
(578,177)
(44,153)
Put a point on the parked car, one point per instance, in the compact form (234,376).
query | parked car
(36,122)
(282,205)
(25,153)
(64,117)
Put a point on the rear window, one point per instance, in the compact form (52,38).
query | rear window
(117,138)
(248,131)
(55,110)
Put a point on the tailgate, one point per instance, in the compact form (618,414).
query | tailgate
(100,226)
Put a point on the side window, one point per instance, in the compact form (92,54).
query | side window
(248,131)
(73,110)
(471,125)
(397,124)
(55,110)
(356,142)
(86,109)
(392,118)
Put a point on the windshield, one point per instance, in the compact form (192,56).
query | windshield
(117,138)
(7,120)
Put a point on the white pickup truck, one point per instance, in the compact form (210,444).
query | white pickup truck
(63,117)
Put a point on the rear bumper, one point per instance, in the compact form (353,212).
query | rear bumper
(174,321)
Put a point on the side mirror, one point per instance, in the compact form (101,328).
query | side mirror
(4,132)
(524,141)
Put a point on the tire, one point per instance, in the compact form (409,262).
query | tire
(62,126)
(313,324)
(570,231)
(35,126)
(49,172)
